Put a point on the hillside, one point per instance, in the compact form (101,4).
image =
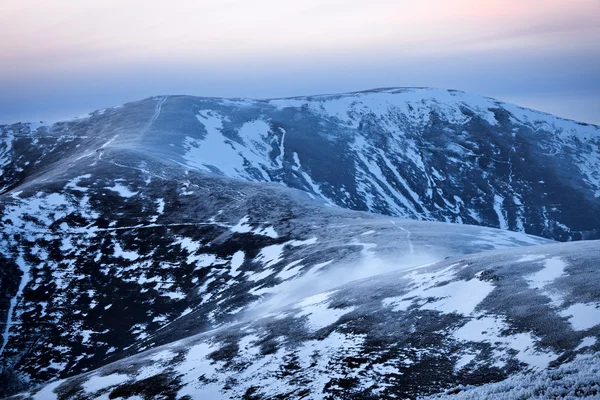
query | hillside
(297,247)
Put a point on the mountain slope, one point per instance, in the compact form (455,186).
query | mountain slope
(464,321)
(166,221)
(417,153)
(105,238)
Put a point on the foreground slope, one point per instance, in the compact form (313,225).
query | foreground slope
(464,321)
(105,257)
(423,154)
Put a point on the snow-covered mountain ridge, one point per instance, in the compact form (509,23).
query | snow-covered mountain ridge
(183,246)
(423,154)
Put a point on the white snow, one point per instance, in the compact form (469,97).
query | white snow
(109,142)
(243,226)
(122,190)
(587,342)
(127,255)
(569,381)
(459,296)
(464,360)
(320,316)
(414,103)
(290,270)
(191,247)
(268,231)
(322,265)
(195,365)
(271,255)
(203,260)
(66,245)
(97,382)
(47,392)
(372,180)
(258,276)
(158,361)
(186,312)
(434,291)
(316,299)
(583,316)
(498,201)
(174,295)
(236,262)
(216,152)
(398,303)
(160,209)
(492,329)
(74,183)
(553,269)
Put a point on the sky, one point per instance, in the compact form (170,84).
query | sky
(64,58)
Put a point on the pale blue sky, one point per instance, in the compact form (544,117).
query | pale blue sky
(63,58)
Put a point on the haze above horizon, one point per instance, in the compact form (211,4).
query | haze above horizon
(60,58)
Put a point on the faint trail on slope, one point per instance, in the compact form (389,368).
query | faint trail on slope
(157,111)
(92,230)
(145,171)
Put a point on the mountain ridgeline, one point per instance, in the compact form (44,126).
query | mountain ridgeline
(423,154)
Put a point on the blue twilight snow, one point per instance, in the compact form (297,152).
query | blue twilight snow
(161,236)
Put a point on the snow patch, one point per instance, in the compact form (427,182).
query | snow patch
(582,316)
(97,382)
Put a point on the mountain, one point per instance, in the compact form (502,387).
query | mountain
(424,154)
(297,247)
